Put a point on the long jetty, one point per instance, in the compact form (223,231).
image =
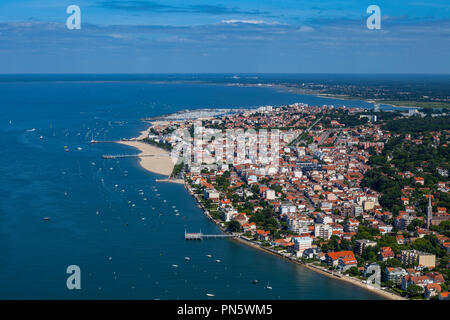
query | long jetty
(116,156)
(201,236)
(112,141)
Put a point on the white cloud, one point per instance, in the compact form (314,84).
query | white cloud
(233,21)
(305,29)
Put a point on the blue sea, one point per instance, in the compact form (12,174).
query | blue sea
(110,217)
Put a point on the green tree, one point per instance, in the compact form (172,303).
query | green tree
(353,271)
(414,290)
(234,226)
(393,263)
(390,284)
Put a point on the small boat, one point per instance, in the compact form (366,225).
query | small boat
(175,265)
(177,214)
(218,261)
(67,150)
(210,295)
(110,258)
(46,218)
(268,287)
(209,256)
(187,258)
(143,218)
(255,281)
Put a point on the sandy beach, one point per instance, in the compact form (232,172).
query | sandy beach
(151,158)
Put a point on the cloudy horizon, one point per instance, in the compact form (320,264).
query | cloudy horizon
(234,37)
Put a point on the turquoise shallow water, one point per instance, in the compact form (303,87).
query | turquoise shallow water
(38,179)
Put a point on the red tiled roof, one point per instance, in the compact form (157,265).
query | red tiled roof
(339,254)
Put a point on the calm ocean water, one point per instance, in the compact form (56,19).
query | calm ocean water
(112,208)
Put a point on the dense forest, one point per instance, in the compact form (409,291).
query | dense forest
(422,158)
(418,124)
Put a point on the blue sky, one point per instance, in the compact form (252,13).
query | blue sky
(234,36)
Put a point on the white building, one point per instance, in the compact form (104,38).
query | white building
(324,219)
(301,244)
(287,207)
(298,224)
(357,211)
(270,194)
(211,194)
(227,213)
(323,231)
(298,173)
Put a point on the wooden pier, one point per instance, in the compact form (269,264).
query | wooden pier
(201,236)
(116,156)
(93,141)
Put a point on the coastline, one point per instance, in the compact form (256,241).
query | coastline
(250,243)
(151,158)
(380,292)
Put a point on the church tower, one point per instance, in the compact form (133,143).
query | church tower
(429,212)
